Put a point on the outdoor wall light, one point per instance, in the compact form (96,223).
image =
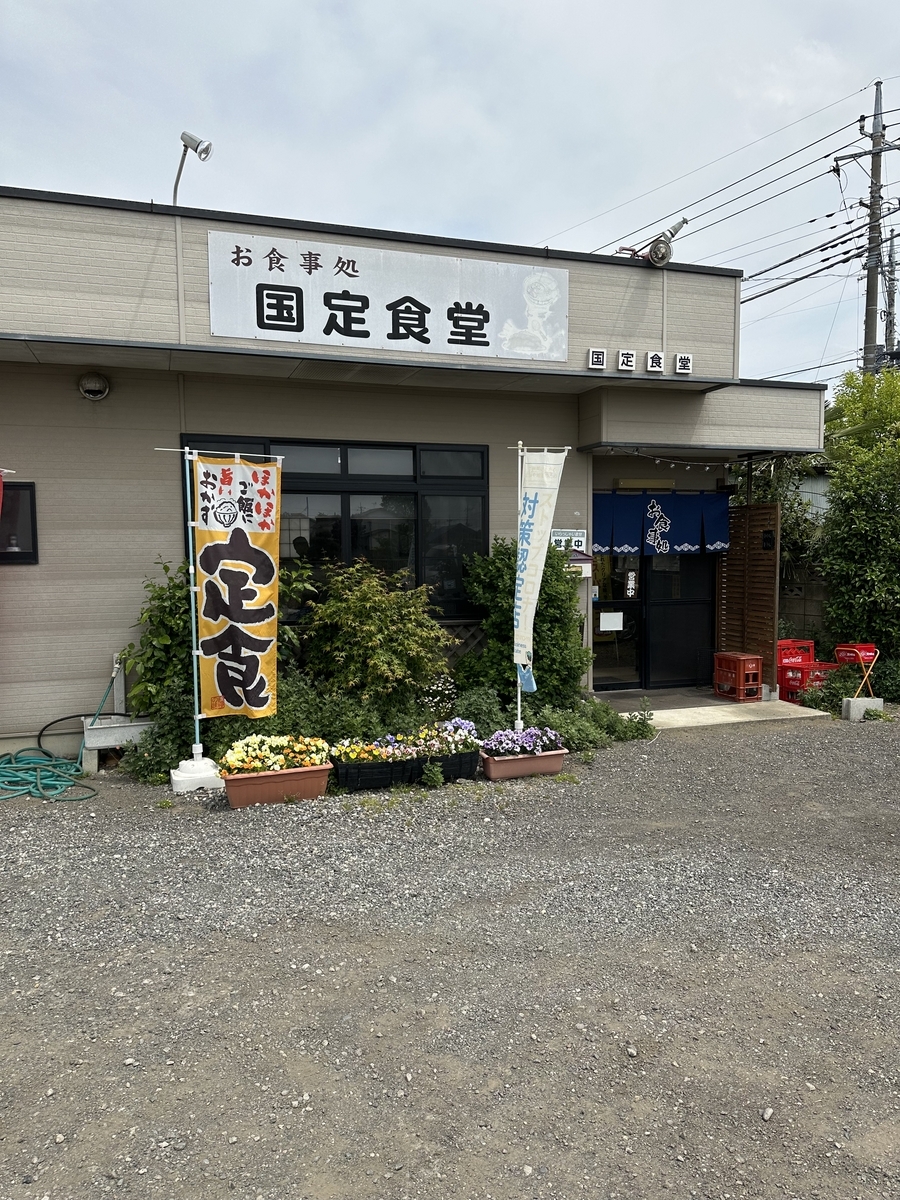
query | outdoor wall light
(93,386)
(202,149)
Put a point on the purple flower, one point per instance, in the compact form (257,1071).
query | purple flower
(507,742)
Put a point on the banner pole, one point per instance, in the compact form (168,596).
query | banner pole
(521,453)
(197,748)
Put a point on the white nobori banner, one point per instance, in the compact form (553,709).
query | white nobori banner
(359,297)
(541,473)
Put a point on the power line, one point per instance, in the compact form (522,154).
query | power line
(765,200)
(800,278)
(811,308)
(737,182)
(802,370)
(827,245)
(775,233)
(711,163)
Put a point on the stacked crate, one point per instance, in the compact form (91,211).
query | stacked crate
(798,669)
(738,677)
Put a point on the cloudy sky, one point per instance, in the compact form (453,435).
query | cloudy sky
(508,120)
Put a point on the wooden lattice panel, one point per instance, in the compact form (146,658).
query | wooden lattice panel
(747,608)
(470,635)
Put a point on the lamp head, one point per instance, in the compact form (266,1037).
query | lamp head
(202,149)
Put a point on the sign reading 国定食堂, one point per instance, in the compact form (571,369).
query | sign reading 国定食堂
(326,294)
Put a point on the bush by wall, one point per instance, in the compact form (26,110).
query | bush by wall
(862,547)
(560,661)
(374,638)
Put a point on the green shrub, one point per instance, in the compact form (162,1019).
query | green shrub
(886,680)
(829,696)
(433,775)
(862,547)
(481,706)
(577,730)
(560,660)
(162,656)
(593,724)
(172,735)
(372,637)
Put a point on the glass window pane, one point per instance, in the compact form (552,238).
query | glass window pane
(452,527)
(617,577)
(452,463)
(310,526)
(388,460)
(383,531)
(16,531)
(310,460)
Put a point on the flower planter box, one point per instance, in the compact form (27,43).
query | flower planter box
(274,787)
(454,766)
(373,776)
(519,766)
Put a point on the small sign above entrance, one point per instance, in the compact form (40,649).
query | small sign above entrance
(572,539)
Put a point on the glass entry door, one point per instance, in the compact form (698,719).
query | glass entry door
(664,607)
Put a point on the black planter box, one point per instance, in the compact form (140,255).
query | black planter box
(454,766)
(372,776)
(375,776)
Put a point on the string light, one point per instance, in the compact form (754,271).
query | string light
(728,465)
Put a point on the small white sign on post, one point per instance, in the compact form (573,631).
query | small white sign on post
(576,539)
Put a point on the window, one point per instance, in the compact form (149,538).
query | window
(18,525)
(415,508)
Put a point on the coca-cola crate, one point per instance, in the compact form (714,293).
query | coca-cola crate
(795,678)
(856,652)
(738,676)
(795,650)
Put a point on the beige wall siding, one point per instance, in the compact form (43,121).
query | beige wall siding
(86,272)
(700,319)
(732,417)
(109,505)
(609,469)
(77,271)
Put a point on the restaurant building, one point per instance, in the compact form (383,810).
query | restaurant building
(393,372)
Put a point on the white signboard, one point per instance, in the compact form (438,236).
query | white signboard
(576,539)
(329,294)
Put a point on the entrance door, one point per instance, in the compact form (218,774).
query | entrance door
(666,606)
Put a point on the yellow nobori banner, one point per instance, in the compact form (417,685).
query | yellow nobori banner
(237,511)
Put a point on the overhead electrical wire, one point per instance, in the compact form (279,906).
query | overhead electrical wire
(737,182)
(757,203)
(711,163)
(827,245)
(800,278)
(774,245)
(811,308)
(802,370)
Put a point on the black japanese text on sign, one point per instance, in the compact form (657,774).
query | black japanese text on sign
(329,294)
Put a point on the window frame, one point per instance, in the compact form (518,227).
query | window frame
(345,484)
(22,558)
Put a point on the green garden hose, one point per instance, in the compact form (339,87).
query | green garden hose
(38,773)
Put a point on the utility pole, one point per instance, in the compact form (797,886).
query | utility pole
(873,249)
(873,254)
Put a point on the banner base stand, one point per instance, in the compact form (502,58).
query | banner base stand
(194,773)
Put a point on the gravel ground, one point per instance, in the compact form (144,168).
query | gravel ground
(672,972)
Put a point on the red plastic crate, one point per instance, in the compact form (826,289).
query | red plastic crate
(795,678)
(738,676)
(847,653)
(796,650)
